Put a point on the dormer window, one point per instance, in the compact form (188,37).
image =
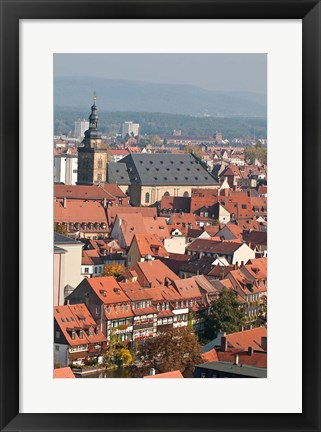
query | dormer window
(73,335)
(81,334)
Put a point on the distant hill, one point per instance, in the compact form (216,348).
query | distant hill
(123,95)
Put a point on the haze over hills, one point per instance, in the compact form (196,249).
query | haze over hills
(137,96)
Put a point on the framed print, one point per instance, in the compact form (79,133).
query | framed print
(152,70)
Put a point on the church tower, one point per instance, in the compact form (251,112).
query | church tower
(93,155)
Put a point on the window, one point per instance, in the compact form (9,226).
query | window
(57,347)
(166,193)
(100,163)
(99,177)
(86,270)
(96,269)
(73,335)
(244,206)
(185,194)
(147,197)
(57,334)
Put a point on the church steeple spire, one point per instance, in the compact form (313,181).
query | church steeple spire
(93,118)
(92,133)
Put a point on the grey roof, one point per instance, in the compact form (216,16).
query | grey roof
(117,173)
(61,239)
(243,370)
(158,169)
(59,250)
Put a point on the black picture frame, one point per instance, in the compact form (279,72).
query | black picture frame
(11,12)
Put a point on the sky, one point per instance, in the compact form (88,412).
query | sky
(220,72)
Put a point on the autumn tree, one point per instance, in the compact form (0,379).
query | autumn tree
(117,352)
(256,152)
(224,315)
(114,270)
(172,349)
(196,150)
(60,229)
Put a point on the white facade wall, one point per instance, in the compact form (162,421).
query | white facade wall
(175,245)
(243,254)
(65,169)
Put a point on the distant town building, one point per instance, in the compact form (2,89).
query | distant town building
(218,137)
(93,155)
(177,132)
(130,128)
(66,168)
(80,127)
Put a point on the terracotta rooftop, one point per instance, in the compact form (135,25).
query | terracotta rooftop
(172,374)
(65,372)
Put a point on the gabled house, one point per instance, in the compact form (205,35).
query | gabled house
(234,252)
(251,291)
(144,245)
(108,304)
(145,314)
(77,337)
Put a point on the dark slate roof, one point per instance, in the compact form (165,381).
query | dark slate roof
(117,173)
(61,239)
(158,169)
(242,370)
(255,237)
(198,266)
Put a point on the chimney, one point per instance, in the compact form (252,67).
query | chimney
(223,343)
(65,202)
(236,359)
(250,350)
(264,343)
(152,371)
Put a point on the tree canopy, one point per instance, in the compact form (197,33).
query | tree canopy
(224,315)
(113,270)
(173,349)
(257,152)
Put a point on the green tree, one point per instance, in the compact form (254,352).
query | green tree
(172,349)
(224,315)
(154,140)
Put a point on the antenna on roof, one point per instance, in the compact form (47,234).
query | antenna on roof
(94,97)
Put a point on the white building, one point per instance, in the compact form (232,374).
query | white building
(80,127)
(130,128)
(66,168)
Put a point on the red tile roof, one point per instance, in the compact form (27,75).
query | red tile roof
(188,288)
(77,317)
(212,246)
(247,338)
(150,244)
(112,212)
(108,290)
(65,372)
(153,273)
(82,192)
(172,374)
(79,211)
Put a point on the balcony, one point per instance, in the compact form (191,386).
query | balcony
(143,325)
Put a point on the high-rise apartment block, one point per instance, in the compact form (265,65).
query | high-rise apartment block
(130,128)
